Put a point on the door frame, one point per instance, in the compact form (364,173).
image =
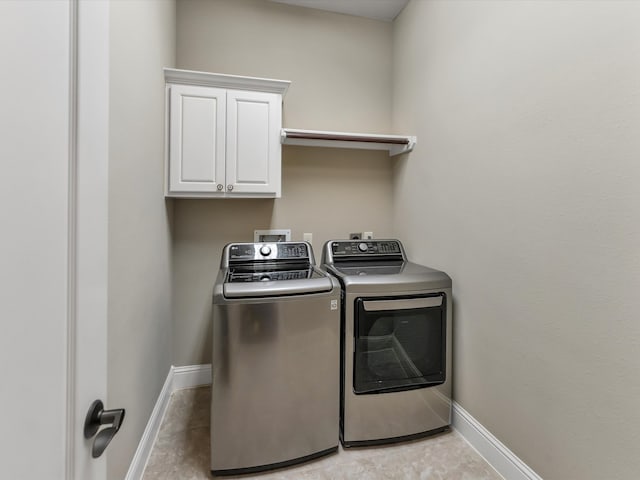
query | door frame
(88,229)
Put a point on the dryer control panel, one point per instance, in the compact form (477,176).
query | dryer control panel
(355,249)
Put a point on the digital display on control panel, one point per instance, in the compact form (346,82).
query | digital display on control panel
(292,250)
(388,247)
(368,247)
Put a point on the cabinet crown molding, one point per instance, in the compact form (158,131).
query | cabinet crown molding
(221,80)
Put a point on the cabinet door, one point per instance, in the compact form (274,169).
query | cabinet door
(197,139)
(253,142)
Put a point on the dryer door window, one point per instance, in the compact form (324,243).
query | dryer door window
(400,343)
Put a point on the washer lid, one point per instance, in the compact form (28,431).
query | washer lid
(257,272)
(275,283)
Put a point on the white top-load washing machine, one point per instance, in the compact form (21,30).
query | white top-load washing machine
(276,350)
(396,343)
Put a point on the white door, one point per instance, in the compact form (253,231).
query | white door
(197,119)
(253,142)
(53,234)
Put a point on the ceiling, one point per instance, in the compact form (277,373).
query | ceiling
(385,10)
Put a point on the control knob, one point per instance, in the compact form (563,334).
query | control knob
(265,250)
(362,247)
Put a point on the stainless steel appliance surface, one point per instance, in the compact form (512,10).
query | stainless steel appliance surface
(275,367)
(395,343)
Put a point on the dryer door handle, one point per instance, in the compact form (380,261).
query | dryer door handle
(404,304)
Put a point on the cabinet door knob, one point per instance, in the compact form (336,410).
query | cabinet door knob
(229,187)
(220,187)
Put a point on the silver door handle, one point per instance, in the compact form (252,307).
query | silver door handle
(220,187)
(229,187)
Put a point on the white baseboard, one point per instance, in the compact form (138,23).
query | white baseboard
(503,460)
(140,458)
(177,379)
(191,376)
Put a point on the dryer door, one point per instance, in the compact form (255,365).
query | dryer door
(400,343)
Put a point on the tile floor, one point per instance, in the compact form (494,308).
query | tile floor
(181,452)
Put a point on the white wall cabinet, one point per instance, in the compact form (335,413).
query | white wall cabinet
(223,135)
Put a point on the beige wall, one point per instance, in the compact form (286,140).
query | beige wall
(340,68)
(524,188)
(139,305)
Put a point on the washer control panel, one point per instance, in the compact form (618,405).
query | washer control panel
(366,248)
(280,251)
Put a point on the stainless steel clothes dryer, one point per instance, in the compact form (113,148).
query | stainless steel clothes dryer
(276,346)
(396,343)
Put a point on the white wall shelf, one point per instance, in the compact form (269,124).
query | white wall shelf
(395,144)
